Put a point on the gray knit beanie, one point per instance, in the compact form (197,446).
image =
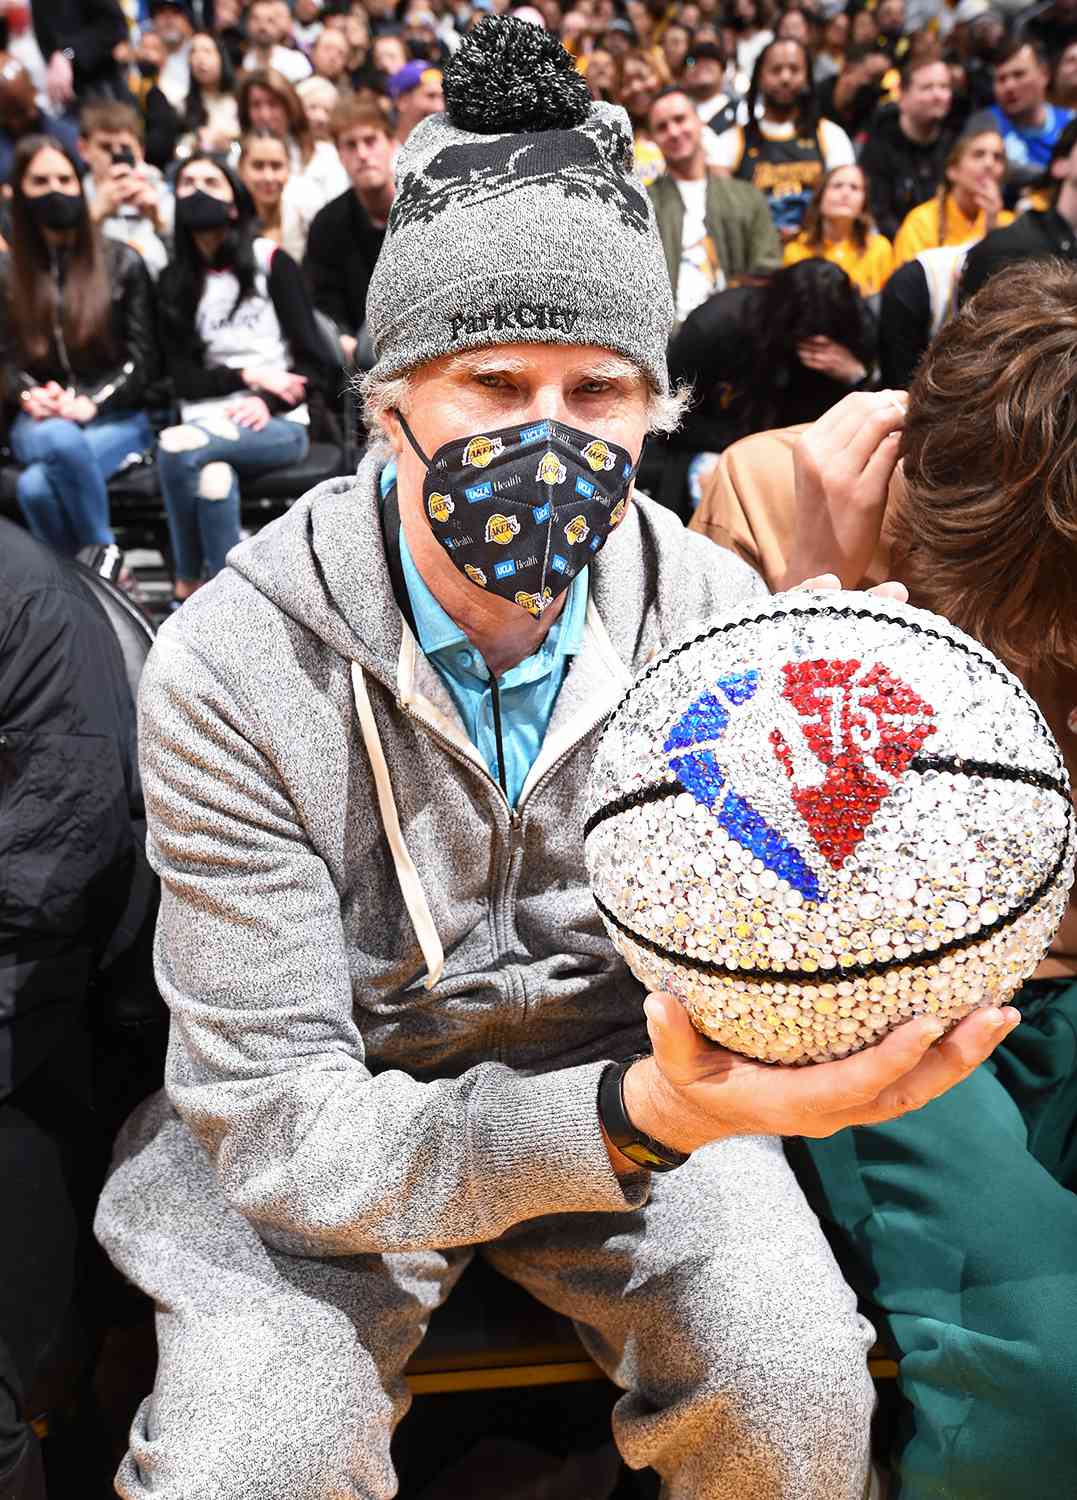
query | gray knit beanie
(517,217)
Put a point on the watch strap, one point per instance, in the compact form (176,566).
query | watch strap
(644,1150)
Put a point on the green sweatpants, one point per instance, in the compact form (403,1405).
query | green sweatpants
(957,1226)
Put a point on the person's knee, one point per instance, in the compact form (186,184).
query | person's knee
(60,442)
(303,1429)
(246,1461)
(215,481)
(33,490)
(185,438)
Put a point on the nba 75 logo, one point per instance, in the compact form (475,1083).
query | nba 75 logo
(843,734)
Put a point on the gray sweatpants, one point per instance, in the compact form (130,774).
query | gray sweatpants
(716,1307)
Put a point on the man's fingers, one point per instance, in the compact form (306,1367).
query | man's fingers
(843,450)
(839,424)
(851,1086)
(678,1047)
(822,581)
(892,589)
(882,463)
(946,1064)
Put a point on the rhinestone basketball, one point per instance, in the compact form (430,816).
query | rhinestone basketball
(816,821)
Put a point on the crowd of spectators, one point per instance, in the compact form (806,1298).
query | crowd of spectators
(885,140)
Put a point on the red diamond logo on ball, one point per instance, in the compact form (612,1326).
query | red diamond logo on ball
(864,726)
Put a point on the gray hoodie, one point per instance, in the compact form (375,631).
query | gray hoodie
(391,994)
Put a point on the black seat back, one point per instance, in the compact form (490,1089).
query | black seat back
(133,628)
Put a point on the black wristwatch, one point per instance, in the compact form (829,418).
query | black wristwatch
(642,1149)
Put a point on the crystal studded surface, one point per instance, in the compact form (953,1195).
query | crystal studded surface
(817,821)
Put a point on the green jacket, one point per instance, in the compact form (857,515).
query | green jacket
(737,219)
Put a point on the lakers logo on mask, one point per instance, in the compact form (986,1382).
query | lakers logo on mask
(598,455)
(618,511)
(577,530)
(501,529)
(534,603)
(481,450)
(475,574)
(440,507)
(551,470)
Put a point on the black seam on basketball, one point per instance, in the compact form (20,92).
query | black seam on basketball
(990,770)
(815,613)
(846,971)
(955,764)
(654,793)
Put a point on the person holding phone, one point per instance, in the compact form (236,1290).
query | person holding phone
(128,198)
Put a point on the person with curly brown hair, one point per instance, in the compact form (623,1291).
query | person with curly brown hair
(957,1224)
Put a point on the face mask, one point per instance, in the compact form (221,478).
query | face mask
(521,511)
(56,210)
(200,211)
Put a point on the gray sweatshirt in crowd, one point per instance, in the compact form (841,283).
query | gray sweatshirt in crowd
(391,994)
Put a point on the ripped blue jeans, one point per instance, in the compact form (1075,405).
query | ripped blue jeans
(199,465)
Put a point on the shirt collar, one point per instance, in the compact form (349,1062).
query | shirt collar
(437,631)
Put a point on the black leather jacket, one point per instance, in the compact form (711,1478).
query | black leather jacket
(123,386)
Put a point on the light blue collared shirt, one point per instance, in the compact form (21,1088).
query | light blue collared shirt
(527,692)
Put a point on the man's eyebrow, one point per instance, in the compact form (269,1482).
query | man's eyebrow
(486,362)
(498,362)
(608,367)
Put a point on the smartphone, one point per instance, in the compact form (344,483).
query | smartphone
(122,156)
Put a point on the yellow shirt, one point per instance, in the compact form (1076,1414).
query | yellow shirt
(867,269)
(648,160)
(920,231)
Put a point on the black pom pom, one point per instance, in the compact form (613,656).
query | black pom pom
(509,76)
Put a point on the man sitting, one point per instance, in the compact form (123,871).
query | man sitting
(126,196)
(713,229)
(1028,124)
(783,147)
(400,1035)
(905,153)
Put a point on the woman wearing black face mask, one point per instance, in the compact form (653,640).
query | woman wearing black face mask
(244,353)
(77,349)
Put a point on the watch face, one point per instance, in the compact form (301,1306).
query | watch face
(643,1156)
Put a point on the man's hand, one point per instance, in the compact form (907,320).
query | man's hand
(842,468)
(830,358)
(692,1091)
(250,412)
(144,196)
(116,188)
(60,81)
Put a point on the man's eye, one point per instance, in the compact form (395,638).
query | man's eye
(594,388)
(493,382)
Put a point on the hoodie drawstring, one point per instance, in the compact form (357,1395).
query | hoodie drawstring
(410,885)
